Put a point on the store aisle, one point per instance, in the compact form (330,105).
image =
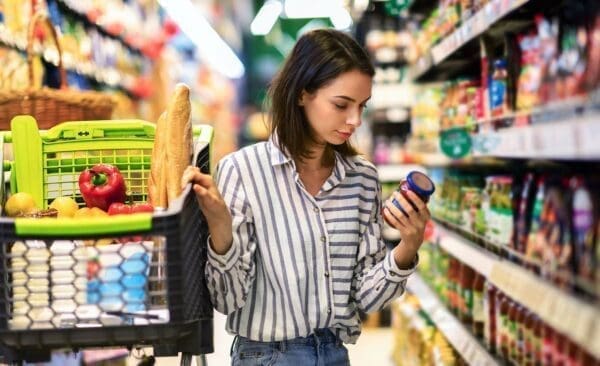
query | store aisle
(374,347)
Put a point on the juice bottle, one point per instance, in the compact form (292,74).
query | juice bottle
(467,277)
(489,326)
(478,312)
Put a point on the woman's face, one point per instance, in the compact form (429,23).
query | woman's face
(334,111)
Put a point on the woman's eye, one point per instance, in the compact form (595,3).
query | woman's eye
(340,106)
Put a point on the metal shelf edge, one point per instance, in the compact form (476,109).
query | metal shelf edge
(460,338)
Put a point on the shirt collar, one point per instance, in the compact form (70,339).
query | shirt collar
(343,164)
(278,157)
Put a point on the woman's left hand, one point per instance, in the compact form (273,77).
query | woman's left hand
(411,223)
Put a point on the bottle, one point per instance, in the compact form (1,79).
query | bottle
(478,312)
(418,183)
(547,345)
(504,330)
(467,278)
(537,340)
(498,89)
(583,228)
(527,331)
(489,327)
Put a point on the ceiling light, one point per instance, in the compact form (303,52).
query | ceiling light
(266,17)
(212,49)
(341,19)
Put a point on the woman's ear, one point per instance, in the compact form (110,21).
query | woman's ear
(302,98)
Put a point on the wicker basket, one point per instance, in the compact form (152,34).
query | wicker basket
(52,106)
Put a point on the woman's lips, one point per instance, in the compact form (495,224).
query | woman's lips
(345,135)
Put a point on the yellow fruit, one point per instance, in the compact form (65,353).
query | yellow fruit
(66,206)
(90,212)
(18,204)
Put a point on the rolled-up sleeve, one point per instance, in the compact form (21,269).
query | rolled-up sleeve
(230,276)
(377,277)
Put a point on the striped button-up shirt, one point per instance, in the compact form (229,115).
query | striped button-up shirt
(300,262)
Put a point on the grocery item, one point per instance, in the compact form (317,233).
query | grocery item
(498,88)
(66,206)
(179,138)
(157,181)
(102,185)
(20,203)
(418,183)
(119,208)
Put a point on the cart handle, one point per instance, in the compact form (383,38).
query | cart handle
(73,130)
(73,227)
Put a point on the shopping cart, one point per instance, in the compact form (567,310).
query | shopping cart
(124,281)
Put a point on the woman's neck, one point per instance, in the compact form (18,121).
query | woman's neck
(322,157)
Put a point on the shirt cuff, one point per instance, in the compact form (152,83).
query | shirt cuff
(394,273)
(222,262)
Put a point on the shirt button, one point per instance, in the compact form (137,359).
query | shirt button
(328,310)
(323,239)
(326,274)
(316,209)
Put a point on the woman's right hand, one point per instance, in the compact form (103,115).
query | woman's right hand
(213,207)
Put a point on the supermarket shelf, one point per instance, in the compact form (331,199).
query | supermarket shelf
(477,258)
(562,131)
(577,319)
(108,76)
(397,172)
(68,6)
(461,339)
(470,29)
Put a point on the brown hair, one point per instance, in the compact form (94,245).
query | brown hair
(318,57)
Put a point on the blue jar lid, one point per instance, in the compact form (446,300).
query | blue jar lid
(420,183)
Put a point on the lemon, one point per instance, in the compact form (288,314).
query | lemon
(66,206)
(18,204)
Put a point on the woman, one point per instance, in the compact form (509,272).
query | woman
(295,249)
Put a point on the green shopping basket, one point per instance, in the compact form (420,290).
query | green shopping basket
(123,280)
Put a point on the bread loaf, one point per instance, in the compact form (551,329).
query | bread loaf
(157,182)
(179,138)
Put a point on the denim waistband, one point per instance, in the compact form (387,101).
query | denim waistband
(319,336)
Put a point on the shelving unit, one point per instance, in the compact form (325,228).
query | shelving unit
(108,76)
(576,318)
(437,64)
(461,339)
(561,131)
(68,6)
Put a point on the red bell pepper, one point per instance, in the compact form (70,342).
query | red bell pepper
(102,185)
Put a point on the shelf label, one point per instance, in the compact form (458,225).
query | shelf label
(456,143)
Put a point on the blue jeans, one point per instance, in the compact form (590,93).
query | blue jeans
(321,348)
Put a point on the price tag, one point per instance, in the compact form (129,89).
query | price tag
(587,137)
(455,143)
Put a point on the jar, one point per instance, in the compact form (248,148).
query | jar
(418,183)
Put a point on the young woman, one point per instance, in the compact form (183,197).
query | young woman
(295,250)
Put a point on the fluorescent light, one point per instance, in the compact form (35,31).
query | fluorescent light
(341,19)
(211,47)
(266,17)
(333,9)
(298,9)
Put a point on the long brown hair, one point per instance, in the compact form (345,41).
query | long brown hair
(318,57)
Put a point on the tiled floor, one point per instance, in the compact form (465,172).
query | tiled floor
(374,347)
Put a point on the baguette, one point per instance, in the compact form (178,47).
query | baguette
(157,182)
(179,138)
